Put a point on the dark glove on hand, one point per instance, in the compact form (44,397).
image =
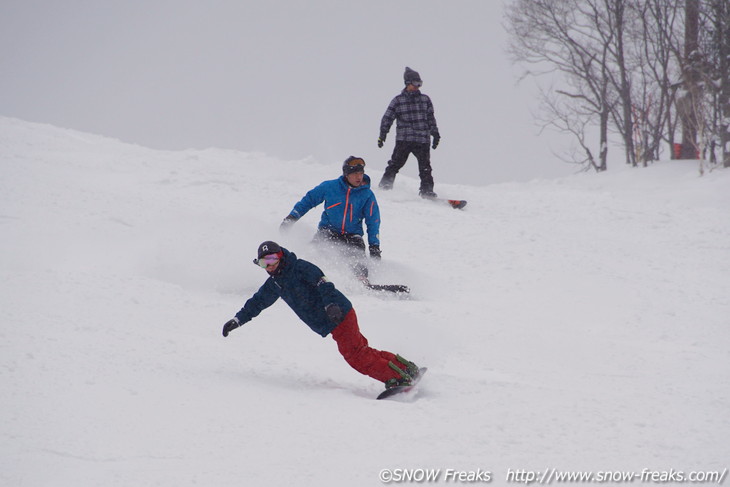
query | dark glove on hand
(334,313)
(436,140)
(230,326)
(381,140)
(375,251)
(288,222)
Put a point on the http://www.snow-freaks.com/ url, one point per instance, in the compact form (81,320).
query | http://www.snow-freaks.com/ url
(550,476)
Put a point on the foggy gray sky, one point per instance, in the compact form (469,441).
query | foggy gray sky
(289,78)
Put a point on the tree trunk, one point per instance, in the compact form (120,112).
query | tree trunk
(603,154)
(723,27)
(617,8)
(690,75)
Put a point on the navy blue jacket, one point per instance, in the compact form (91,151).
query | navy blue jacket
(345,207)
(306,290)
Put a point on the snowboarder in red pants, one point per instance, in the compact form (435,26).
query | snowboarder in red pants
(317,302)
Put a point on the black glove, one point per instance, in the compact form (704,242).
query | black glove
(287,222)
(381,140)
(375,251)
(230,326)
(436,140)
(334,313)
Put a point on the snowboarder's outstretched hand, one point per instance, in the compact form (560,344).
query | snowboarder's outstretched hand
(334,313)
(287,222)
(230,326)
(381,141)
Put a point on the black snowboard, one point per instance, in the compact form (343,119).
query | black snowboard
(391,288)
(401,389)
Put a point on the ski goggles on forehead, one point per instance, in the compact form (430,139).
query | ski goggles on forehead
(267,260)
(353,166)
(356,162)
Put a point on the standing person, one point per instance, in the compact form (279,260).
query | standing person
(348,201)
(415,126)
(317,302)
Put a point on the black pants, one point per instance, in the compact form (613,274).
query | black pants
(400,154)
(349,246)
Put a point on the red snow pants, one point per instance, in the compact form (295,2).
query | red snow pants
(361,357)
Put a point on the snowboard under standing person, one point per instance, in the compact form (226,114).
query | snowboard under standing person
(348,202)
(327,311)
(415,125)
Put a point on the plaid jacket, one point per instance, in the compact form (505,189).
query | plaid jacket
(416,121)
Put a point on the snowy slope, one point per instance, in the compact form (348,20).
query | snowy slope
(581,323)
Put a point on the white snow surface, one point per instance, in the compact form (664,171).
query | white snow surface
(580,323)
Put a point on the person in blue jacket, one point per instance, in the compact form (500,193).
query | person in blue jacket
(327,311)
(348,202)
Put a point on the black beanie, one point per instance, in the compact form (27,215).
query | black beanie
(411,75)
(268,247)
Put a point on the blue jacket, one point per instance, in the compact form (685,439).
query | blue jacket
(345,207)
(306,290)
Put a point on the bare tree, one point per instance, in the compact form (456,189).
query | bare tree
(714,43)
(705,102)
(610,23)
(691,91)
(637,68)
(722,7)
(557,37)
(656,51)
(563,114)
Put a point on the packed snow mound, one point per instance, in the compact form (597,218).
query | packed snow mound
(579,323)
